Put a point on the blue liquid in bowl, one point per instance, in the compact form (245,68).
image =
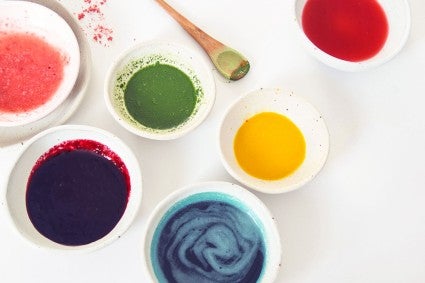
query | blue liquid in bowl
(208,237)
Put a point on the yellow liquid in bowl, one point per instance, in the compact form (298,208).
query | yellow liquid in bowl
(269,146)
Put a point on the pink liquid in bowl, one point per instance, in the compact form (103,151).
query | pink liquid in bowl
(31,71)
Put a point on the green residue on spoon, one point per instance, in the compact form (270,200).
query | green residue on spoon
(231,64)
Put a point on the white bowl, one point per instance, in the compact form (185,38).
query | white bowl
(42,143)
(32,18)
(300,112)
(146,54)
(219,191)
(398,16)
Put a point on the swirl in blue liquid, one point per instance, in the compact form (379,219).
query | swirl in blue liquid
(207,241)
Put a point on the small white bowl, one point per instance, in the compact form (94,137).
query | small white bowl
(398,16)
(32,18)
(42,143)
(300,112)
(147,54)
(229,193)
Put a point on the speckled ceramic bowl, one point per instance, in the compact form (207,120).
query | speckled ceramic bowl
(40,144)
(211,236)
(31,18)
(300,112)
(148,54)
(398,17)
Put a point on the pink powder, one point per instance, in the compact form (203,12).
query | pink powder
(92,19)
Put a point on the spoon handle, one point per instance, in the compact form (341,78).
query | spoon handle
(207,42)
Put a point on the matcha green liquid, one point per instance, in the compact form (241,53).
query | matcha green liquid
(160,96)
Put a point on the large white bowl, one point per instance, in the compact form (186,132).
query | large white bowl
(40,144)
(300,112)
(227,192)
(32,18)
(398,16)
(146,54)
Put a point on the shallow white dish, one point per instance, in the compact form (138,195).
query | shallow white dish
(398,16)
(146,54)
(240,197)
(11,135)
(36,147)
(300,112)
(36,19)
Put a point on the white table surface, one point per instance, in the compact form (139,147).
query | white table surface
(362,219)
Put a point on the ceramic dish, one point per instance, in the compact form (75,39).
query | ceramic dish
(11,135)
(38,146)
(222,241)
(300,112)
(149,54)
(398,17)
(21,17)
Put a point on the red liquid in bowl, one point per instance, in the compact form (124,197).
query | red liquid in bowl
(351,30)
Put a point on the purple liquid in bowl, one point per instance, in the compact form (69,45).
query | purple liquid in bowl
(77,192)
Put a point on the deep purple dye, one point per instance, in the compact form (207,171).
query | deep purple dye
(77,192)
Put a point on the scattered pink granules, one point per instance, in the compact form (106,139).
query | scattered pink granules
(93,22)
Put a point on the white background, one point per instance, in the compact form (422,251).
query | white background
(362,219)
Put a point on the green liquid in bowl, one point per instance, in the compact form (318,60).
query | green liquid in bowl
(160,96)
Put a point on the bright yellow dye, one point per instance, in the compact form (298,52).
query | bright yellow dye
(269,146)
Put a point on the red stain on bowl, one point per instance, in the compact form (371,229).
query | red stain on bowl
(31,71)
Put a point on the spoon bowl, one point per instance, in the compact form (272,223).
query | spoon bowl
(230,63)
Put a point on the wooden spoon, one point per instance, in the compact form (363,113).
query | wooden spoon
(229,62)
